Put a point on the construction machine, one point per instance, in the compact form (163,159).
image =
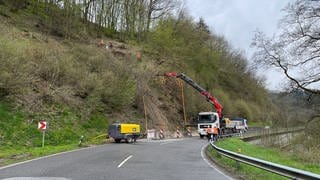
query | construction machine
(121,131)
(208,119)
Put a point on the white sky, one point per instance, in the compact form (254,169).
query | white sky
(238,20)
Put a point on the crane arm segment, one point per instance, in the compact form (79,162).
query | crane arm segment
(211,99)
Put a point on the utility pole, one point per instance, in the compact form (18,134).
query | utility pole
(180,83)
(145,113)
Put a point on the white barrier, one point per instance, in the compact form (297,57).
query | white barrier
(151,134)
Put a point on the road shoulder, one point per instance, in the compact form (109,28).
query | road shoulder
(215,165)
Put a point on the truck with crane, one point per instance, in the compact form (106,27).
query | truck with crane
(210,119)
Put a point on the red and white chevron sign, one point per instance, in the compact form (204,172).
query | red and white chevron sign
(42,125)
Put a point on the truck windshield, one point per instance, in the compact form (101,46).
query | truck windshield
(207,118)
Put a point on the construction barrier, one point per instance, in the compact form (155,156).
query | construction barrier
(178,132)
(189,132)
(151,134)
(161,133)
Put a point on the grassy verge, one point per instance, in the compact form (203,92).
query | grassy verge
(20,140)
(249,172)
(9,155)
(257,124)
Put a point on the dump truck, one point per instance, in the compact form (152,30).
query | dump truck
(121,131)
(238,124)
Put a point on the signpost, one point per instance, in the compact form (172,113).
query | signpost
(42,125)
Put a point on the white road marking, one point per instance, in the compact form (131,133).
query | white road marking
(161,141)
(124,161)
(212,166)
(166,143)
(36,178)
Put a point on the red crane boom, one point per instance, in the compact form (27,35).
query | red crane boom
(211,99)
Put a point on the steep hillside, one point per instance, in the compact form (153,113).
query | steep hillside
(63,75)
(75,86)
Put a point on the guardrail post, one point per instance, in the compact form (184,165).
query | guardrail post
(237,162)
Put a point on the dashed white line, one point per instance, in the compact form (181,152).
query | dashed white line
(124,161)
(203,157)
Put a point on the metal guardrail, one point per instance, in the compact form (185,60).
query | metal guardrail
(282,170)
(267,132)
(264,132)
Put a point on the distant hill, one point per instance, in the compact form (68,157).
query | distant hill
(296,107)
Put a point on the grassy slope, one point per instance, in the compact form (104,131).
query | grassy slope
(272,155)
(20,140)
(14,132)
(74,69)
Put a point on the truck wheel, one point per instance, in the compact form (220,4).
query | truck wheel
(222,131)
(117,140)
(129,140)
(201,136)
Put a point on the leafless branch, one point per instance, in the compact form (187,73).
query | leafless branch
(296,49)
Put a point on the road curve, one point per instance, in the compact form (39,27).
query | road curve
(146,160)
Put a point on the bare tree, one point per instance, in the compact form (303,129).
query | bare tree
(296,49)
(159,8)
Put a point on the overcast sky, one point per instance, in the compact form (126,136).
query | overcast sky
(238,20)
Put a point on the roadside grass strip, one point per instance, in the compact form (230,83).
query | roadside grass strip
(268,154)
(10,155)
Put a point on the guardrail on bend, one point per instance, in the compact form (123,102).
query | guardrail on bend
(286,171)
(266,132)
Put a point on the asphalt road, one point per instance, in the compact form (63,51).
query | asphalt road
(146,160)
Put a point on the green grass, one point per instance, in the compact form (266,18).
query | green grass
(20,140)
(9,155)
(249,172)
(13,154)
(257,124)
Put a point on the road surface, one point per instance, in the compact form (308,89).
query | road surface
(170,159)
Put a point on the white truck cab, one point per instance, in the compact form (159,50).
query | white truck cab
(205,120)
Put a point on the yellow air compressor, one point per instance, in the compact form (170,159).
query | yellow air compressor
(127,132)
